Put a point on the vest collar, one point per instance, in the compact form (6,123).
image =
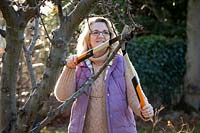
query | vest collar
(88,64)
(111,66)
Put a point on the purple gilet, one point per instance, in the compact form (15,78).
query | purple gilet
(120,117)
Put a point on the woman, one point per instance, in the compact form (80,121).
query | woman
(108,105)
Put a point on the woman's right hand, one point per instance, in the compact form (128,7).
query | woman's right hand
(71,61)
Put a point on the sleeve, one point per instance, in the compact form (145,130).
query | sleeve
(132,97)
(65,85)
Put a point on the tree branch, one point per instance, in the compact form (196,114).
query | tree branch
(79,13)
(20,17)
(33,9)
(8,11)
(60,11)
(35,36)
(45,29)
(70,6)
(28,53)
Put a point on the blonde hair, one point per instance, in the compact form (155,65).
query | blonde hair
(83,40)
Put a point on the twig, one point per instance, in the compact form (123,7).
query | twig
(156,118)
(35,36)
(28,53)
(38,11)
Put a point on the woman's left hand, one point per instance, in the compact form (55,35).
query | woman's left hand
(147,111)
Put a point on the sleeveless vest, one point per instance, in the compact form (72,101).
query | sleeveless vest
(120,117)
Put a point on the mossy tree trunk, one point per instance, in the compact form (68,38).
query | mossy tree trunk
(15,25)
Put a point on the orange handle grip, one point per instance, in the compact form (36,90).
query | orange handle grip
(140,95)
(84,56)
(80,58)
(139,91)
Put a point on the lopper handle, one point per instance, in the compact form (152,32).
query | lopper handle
(135,81)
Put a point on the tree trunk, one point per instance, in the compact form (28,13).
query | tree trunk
(192,77)
(8,110)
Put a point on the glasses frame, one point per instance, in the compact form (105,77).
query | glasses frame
(96,33)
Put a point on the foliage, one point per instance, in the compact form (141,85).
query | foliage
(160,64)
(167,18)
(167,29)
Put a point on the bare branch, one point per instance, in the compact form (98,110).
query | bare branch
(20,16)
(30,67)
(8,11)
(79,13)
(28,53)
(45,29)
(33,9)
(70,6)
(35,36)
(60,11)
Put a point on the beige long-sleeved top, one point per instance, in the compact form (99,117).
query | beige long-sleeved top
(96,112)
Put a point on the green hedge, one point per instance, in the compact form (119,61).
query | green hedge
(160,63)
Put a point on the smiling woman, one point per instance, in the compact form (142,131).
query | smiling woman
(108,105)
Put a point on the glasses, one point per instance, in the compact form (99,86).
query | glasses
(97,33)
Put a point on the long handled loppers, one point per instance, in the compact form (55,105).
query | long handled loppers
(126,36)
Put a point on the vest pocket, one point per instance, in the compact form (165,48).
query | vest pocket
(119,119)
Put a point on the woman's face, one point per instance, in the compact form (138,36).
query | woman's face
(99,34)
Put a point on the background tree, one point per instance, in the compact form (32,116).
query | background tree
(192,77)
